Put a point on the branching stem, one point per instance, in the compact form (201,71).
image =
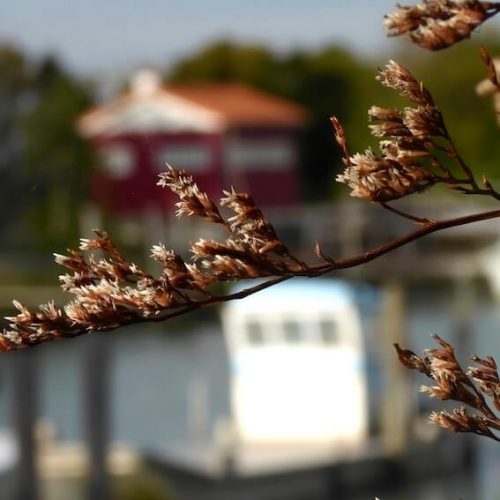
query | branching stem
(321,269)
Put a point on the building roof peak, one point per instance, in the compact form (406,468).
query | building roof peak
(150,106)
(145,82)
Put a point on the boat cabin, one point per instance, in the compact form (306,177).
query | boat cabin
(297,364)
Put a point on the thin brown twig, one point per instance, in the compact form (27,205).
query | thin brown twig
(414,218)
(124,314)
(321,269)
(468,387)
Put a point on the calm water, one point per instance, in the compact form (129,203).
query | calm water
(156,380)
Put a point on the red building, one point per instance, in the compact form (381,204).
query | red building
(225,134)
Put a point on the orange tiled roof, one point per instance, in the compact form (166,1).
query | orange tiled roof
(207,106)
(241,105)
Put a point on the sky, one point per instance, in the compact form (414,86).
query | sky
(99,37)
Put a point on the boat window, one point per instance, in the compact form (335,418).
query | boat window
(255,335)
(292,331)
(329,333)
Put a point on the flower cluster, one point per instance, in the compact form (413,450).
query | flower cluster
(437,24)
(472,387)
(109,292)
(407,162)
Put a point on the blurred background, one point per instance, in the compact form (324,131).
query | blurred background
(283,398)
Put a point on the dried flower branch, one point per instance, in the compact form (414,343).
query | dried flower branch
(490,66)
(438,24)
(473,387)
(110,292)
(412,144)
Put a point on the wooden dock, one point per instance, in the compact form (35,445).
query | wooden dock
(338,476)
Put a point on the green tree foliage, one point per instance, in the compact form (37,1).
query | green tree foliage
(55,155)
(13,70)
(452,76)
(326,81)
(333,81)
(42,159)
(13,85)
(226,61)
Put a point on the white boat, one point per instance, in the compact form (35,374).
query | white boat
(297,368)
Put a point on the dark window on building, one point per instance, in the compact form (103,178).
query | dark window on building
(328,331)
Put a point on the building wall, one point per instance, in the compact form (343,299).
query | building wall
(126,180)
(261,161)
(265,163)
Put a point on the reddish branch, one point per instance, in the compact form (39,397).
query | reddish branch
(438,24)
(415,153)
(110,292)
(478,388)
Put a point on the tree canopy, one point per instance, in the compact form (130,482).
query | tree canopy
(334,81)
(326,81)
(40,151)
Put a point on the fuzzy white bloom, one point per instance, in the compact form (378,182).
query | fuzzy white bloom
(160,253)
(62,260)
(87,244)
(51,311)
(134,268)
(68,281)
(12,336)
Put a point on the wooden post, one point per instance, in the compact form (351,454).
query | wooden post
(23,366)
(464,298)
(96,380)
(96,409)
(396,404)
